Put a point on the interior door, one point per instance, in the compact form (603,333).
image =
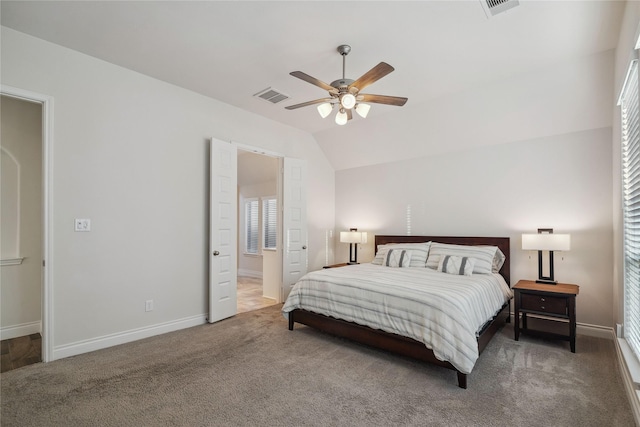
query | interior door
(294,223)
(223,229)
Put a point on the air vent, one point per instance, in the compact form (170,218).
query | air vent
(271,95)
(494,7)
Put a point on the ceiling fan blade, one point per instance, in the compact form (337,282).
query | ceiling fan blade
(305,104)
(307,78)
(371,76)
(383,99)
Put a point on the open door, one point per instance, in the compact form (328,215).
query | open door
(294,223)
(223,206)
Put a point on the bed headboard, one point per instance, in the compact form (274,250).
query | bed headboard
(500,242)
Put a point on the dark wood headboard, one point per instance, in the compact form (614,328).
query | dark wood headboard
(500,242)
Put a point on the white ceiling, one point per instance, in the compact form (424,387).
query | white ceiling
(230,50)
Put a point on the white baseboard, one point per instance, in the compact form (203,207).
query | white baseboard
(629,384)
(24,329)
(250,273)
(99,343)
(595,331)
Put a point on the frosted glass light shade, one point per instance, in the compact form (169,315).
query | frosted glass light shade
(546,242)
(341,117)
(363,110)
(325,109)
(348,101)
(353,237)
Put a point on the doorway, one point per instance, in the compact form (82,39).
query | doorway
(21,231)
(257,231)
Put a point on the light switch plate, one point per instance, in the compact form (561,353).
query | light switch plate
(82,224)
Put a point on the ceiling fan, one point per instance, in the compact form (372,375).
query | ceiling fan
(345,93)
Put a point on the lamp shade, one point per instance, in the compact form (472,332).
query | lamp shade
(546,242)
(348,101)
(363,110)
(341,117)
(353,237)
(325,109)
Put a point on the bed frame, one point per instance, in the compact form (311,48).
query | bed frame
(406,346)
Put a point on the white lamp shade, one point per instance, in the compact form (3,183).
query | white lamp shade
(325,109)
(363,110)
(353,237)
(348,101)
(341,118)
(546,242)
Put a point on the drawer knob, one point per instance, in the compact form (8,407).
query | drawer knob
(542,307)
(542,299)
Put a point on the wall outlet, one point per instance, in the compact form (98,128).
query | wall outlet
(148,305)
(82,224)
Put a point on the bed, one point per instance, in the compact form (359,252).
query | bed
(454,341)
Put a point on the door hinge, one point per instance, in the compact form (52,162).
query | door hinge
(43,263)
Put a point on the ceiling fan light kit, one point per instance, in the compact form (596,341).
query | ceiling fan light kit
(346,92)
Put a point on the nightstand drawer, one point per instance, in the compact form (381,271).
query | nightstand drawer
(544,304)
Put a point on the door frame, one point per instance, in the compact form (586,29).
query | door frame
(279,183)
(47,217)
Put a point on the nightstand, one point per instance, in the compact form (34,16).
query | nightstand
(558,301)
(343,264)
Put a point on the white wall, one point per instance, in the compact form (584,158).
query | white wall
(562,182)
(532,151)
(131,153)
(21,285)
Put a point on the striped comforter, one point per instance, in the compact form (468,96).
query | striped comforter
(443,311)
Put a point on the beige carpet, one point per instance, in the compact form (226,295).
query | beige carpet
(251,371)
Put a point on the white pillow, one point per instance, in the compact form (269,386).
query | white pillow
(419,253)
(482,255)
(397,258)
(451,264)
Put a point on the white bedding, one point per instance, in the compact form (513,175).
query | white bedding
(443,311)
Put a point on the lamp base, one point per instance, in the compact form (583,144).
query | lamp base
(547,282)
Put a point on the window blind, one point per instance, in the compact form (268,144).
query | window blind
(251,226)
(269,222)
(629,102)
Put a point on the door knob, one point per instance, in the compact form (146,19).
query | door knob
(216,253)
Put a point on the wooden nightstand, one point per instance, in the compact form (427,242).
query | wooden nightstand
(343,264)
(548,300)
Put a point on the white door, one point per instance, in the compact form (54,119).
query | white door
(223,230)
(294,223)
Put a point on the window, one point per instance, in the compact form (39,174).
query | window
(629,103)
(269,222)
(264,209)
(251,225)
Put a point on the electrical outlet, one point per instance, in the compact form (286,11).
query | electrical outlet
(82,224)
(148,305)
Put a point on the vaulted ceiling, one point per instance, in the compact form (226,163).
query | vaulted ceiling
(230,50)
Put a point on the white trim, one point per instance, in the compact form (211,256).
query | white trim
(21,330)
(47,203)
(11,261)
(598,331)
(250,273)
(630,385)
(626,80)
(110,340)
(18,202)
(257,150)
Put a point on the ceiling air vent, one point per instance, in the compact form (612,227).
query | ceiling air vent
(271,95)
(494,7)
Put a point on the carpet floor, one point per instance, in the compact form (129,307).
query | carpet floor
(250,370)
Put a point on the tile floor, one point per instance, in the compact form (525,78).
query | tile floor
(21,351)
(250,295)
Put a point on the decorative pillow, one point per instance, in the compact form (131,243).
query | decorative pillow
(419,253)
(498,261)
(482,255)
(451,264)
(397,258)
